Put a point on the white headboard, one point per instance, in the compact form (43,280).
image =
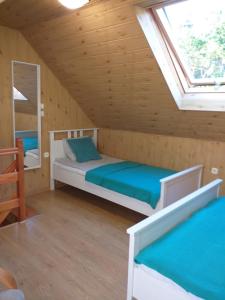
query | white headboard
(56,141)
(57,136)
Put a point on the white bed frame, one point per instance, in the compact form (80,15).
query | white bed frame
(173,187)
(140,285)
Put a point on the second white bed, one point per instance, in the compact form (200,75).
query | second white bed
(144,283)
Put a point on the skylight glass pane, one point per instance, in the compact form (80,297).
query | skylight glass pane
(17,95)
(196,29)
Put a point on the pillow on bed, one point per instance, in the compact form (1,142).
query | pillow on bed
(68,152)
(84,149)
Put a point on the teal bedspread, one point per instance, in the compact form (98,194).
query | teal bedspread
(131,179)
(193,254)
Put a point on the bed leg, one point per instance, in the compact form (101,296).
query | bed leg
(130,269)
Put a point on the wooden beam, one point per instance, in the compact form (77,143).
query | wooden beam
(10,168)
(9,205)
(3,216)
(20,183)
(8,152)
(9,178)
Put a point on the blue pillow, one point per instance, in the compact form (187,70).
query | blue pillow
(84,149)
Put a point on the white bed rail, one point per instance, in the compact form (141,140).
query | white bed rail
(56,149)
(152,228)
(179,185)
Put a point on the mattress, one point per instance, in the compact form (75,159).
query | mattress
(82,168)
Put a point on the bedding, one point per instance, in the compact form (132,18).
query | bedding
(68,152)
(131,179)
(30,143)
(83,149)
(192,254)
(29,138)
(33,153)
(82,168)
(32,158)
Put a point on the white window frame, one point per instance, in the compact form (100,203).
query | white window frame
(204,101)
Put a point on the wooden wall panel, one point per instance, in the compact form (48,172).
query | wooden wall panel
(61,110)
(101,56)
(165,151)
(25,121)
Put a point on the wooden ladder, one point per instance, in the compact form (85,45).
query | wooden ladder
(14,174)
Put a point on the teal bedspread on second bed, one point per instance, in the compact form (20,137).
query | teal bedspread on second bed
(193,254)
(131,179)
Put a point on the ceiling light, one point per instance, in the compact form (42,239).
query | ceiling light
(73,4)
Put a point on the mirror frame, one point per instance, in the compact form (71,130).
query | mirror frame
(38,108)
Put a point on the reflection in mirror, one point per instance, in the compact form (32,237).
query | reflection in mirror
(26,102)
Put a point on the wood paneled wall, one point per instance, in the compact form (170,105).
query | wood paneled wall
(61,110)
(101,55)
(165,151)
(25,121)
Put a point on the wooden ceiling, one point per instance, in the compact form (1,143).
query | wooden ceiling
(101,56)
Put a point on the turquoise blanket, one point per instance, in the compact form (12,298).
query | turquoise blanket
(193,254)
(30,143)
(131,179)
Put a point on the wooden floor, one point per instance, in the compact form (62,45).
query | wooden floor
(75,249)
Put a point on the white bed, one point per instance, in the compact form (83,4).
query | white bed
(145,283)
(173,187)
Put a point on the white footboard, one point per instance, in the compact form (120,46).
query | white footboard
(152,228)
(181,184)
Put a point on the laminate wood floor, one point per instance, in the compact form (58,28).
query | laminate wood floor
(75,249)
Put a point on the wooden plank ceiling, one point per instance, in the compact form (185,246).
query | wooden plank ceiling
(101,56)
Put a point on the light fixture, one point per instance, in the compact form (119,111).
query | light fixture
(73,4)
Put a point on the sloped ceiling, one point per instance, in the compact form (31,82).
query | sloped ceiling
(101,56)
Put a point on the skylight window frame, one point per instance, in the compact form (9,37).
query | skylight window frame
(193,99)
(176,57)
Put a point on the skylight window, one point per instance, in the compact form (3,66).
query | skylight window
(17,95)
(187,38)
(195,31)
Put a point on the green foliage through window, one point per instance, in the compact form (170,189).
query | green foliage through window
(196,29)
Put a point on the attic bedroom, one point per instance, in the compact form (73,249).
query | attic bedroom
(112,149)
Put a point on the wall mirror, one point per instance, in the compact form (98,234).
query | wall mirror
(26,111)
